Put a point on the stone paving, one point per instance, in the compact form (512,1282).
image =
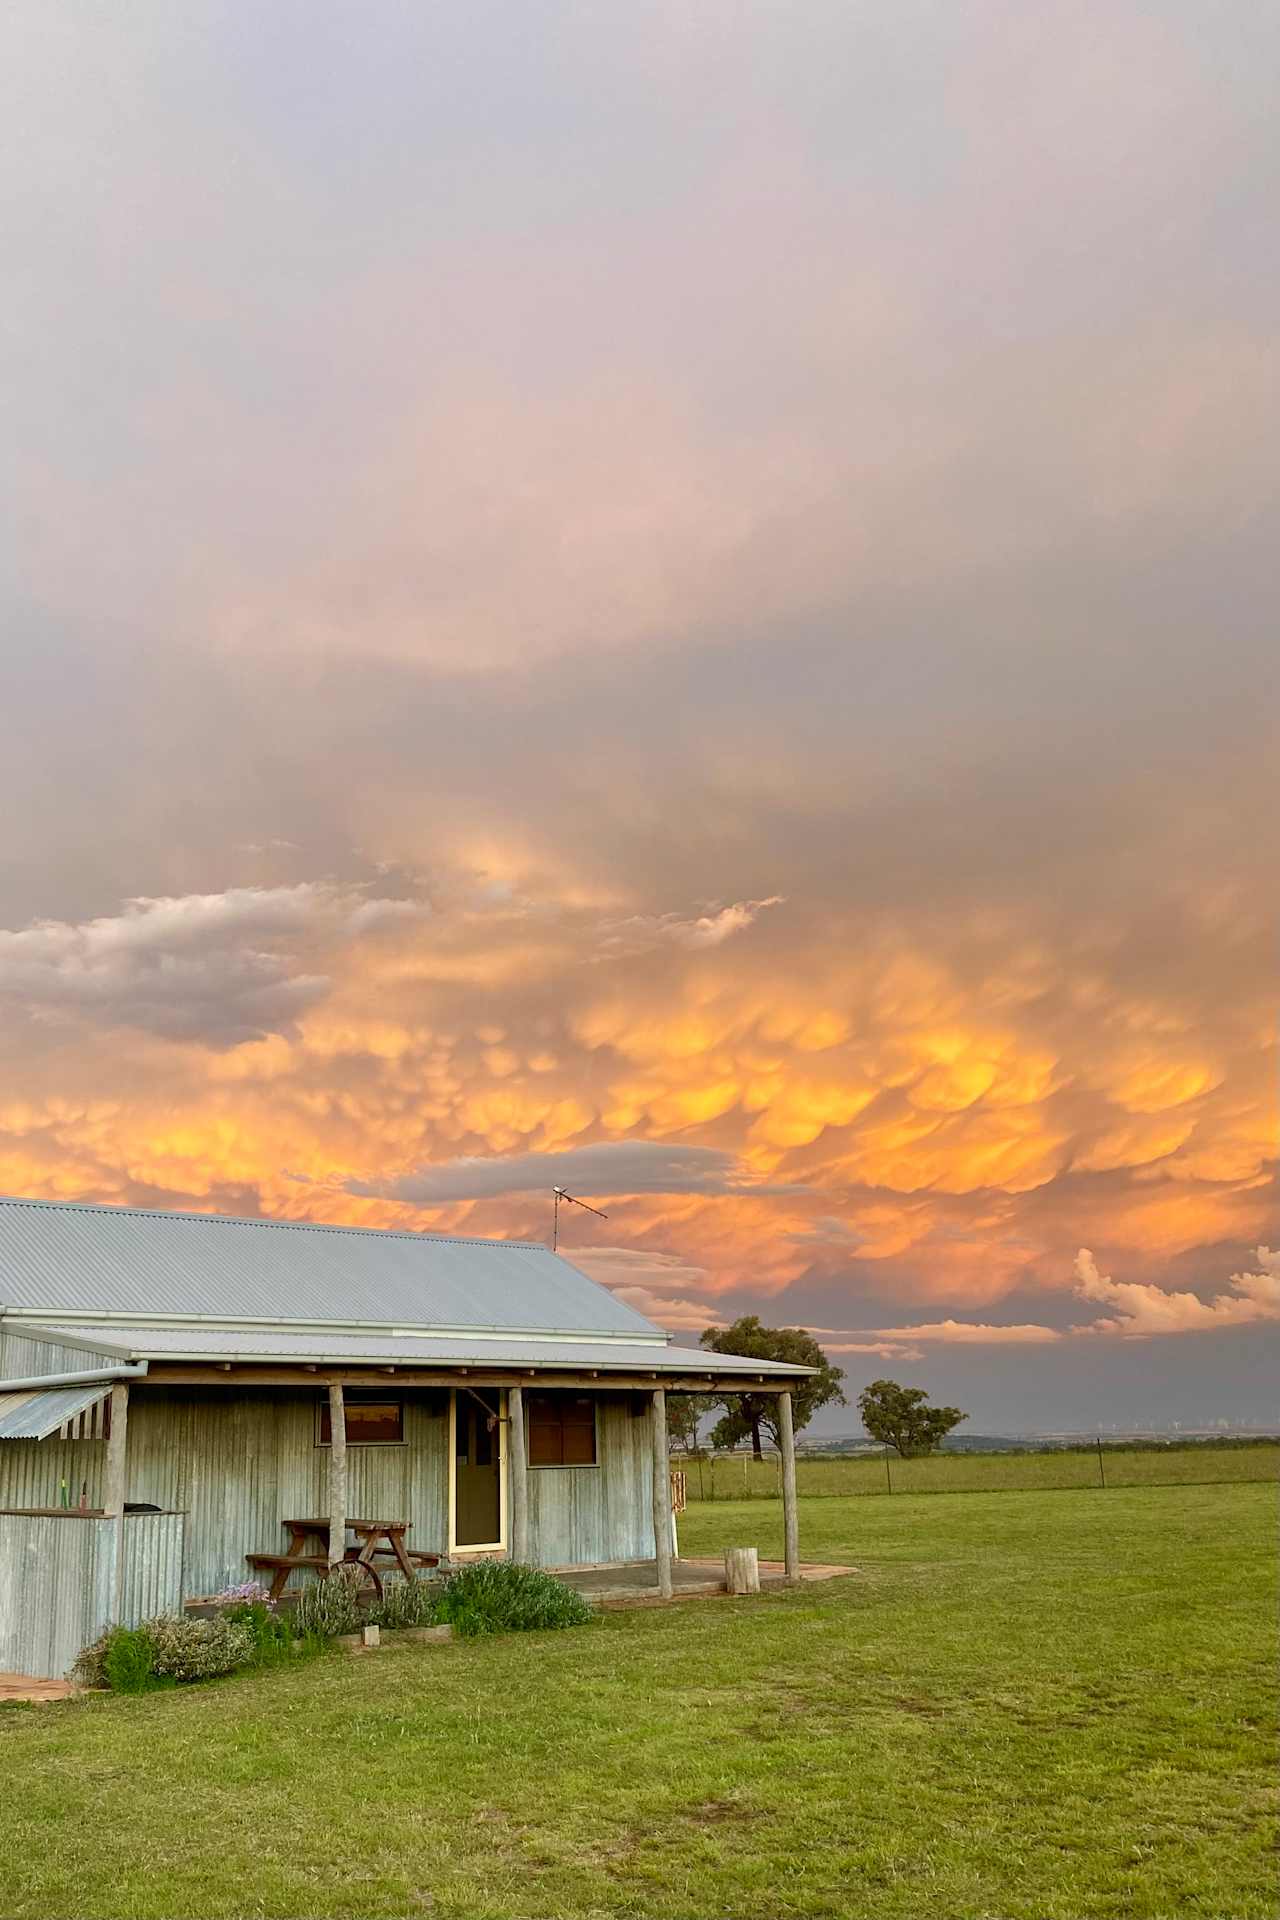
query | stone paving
(21,1686)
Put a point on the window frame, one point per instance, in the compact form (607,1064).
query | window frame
(561,1466)
(360,1400)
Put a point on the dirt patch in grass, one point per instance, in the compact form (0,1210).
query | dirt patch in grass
(709,1813)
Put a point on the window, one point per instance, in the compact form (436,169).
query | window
(370,1423)
(562,1430)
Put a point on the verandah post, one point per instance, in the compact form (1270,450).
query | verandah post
(337,1474)
(519,1476)
(114,1488)
(661,1493)
(790,1516)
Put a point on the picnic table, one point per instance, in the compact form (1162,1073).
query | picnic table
(375,1540)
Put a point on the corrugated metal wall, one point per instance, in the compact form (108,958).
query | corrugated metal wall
(55,1589)
(153,1548)
(584,1516)
(238,1461)
(58,1586)
(32,1472)
(20,1356)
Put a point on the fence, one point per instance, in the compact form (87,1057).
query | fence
(58,1582)
(738,1477)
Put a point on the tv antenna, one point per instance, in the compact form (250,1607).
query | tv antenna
(560,1195)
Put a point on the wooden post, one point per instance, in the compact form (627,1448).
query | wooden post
(337,1474)
(114,1488)
(790,1517)
(742,1569)
(519,1476)
(661,1493)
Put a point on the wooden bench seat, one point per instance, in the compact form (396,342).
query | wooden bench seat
(282,1565)
(287,1559)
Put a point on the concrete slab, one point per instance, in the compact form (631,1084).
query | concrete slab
(635,1583)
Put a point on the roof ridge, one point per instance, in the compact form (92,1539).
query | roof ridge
(249,1220)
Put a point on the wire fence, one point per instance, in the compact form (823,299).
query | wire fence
(731,1476)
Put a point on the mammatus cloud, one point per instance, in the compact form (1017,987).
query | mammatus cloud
(1147,1310)
(710,929)
(608,1167)
(221,968)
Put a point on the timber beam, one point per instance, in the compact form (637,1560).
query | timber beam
(407,1377)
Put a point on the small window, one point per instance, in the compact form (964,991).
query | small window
(562,1430)
(370,1423)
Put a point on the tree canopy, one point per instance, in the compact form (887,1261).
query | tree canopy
(756,1414)
(898,1417)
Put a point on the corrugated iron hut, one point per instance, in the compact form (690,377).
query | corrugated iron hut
(180,1391)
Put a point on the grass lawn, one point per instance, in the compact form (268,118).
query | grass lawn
(1054,1706)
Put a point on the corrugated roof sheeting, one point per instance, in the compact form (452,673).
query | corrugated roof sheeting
(56,1256)
(40,1411)
(317,1345)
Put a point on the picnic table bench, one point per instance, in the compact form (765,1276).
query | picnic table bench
(377,1540)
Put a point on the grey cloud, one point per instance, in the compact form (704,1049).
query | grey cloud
(607,1167)
(220,968)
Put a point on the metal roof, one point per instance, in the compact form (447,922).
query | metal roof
(40,1411)
(317,1346)
(60,1257)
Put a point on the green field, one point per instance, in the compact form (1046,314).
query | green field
(735,1477)
(1059,1707)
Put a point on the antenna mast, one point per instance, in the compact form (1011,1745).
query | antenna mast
(560,1195)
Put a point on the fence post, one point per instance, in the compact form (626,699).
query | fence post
(1102,1472)
(888,1477)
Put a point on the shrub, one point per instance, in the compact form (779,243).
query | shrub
(128,1660)
(187,1649)
(272,1636)
(161,1651)
(328,1607)
(406,1603)
(121,1658)
(495,1596)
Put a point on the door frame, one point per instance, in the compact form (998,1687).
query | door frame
(484,1546)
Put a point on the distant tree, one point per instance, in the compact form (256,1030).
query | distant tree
(685,1412)
(898,1417)
(756,1414)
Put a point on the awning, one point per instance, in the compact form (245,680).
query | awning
(36,1412)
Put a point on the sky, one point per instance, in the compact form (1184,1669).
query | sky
(675,602)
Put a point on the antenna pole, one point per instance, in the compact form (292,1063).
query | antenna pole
(560,1195)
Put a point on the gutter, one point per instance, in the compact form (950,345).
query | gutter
(95,1376)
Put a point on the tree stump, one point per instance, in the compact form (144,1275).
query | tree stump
(742,1569)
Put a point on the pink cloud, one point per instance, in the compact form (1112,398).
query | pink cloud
(973,1333)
